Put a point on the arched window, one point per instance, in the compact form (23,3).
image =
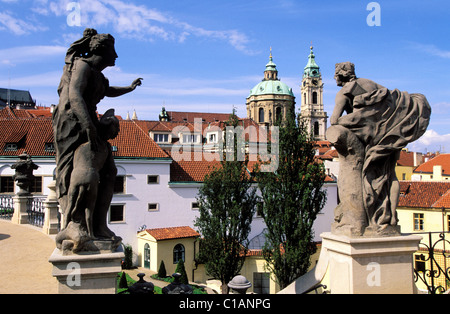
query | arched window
(261,115)
(178,253)
(278,114)
(316,128)
(314,97)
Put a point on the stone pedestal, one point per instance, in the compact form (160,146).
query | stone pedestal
(381,265)
(87,273)
(51,223)
(20,216)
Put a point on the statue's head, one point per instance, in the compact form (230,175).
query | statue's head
(345,72)
(103,45)
(91,44)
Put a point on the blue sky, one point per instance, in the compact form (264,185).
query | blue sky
(207,55)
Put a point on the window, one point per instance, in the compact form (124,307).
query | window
(314,97)
(261,115)
(448,222)
(116,213)
(6,185)
(418,222)
(49,147)
(36,185)
(152,179)
(190,138)
(119,185)
(261,283)
(153,207)
(194,206)
(419,262)
(161,138)
(178,253)
(10,147)
(316,128)
(212,138)
(278,114)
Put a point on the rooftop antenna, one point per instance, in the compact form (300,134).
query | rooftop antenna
(9,88)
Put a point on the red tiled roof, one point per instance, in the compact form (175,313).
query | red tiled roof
(191,170)
(32,134)
(440,160)
(190,116)
(424,194)
(133,141)
(171,233)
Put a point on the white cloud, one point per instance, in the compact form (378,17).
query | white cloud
(432,50)
(18,26)
(431,141)
(143,23)
(13,56)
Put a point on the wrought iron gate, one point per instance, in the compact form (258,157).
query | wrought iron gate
(431,266)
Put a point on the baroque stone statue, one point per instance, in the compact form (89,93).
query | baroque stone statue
(85,169)
(378,123)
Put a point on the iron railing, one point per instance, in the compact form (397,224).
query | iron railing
(6,207)
(431,267)
(36,211)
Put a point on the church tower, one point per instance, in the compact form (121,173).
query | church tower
(311,109)
(271,99)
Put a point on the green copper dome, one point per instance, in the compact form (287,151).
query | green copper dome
(271,85)
(311,69)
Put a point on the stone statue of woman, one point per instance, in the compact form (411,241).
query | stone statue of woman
(378,124)
(78,132)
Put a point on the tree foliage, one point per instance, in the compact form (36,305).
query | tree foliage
(292,198)
(227,202)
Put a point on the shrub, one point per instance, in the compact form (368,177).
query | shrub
(162,273)
(128,261)
(182,270)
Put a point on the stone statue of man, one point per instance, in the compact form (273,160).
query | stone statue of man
(81,141)
(378,123)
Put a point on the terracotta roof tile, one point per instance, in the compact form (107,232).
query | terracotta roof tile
(171,233)
(33,134)
(133,141)
(440,160)
(424,194)
(177,116)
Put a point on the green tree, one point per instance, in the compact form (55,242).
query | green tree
(182,271)
(292,197)
(227,202)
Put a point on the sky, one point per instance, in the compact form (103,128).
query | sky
(206,56)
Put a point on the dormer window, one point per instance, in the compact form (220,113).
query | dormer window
(49,147)
(191,139)
(11,147)
(161,137)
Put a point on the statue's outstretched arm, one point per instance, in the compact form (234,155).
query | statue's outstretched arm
(115,91)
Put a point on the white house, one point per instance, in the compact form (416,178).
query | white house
(152,189)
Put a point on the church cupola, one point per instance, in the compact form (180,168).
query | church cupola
(311,69)
(271,72)
(312,108)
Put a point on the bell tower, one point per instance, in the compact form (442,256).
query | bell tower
(311,109)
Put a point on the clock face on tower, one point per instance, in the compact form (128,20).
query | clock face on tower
(315,82)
